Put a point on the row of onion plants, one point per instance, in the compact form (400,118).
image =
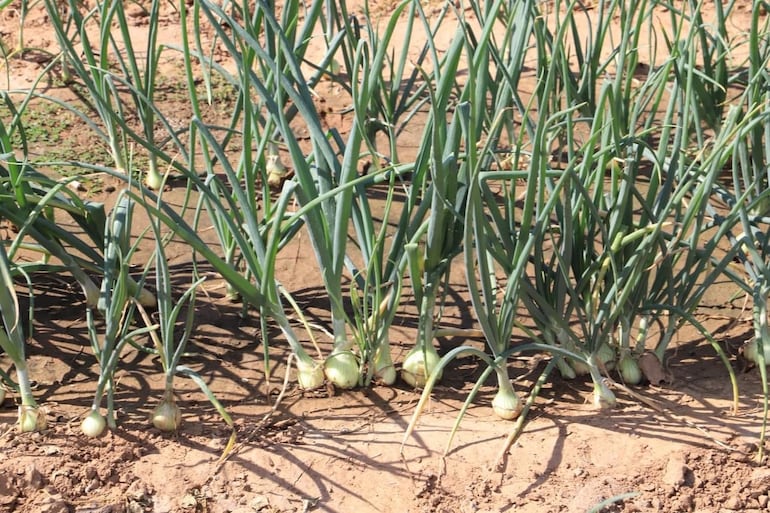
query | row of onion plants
(594,244)
(610,233)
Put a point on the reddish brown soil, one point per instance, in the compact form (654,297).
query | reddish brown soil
(341,452)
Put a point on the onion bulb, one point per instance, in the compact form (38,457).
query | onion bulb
(606,354)
(341,369)
(31,418)
(93,425)
(419,365)
(629,370)
(147,298)
(506,404)
(275,169)
(310,375)
(91,291)
(604,399)
(153,179)
(386,375)
(750,351)
(232,294)
(334,67)
(167,416)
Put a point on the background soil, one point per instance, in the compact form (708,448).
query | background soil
(341,452)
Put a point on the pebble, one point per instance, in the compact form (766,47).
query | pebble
(676,472)
(8,490)
(733,503)
(96,508)
(136,491)
(89,472)
(188,502)
(33,477)
(50,450)
(54,505)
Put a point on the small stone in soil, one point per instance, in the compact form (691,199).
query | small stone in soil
(733,503)
(676,472)
(34,478)
(54,505)
(50,450)
(8,491)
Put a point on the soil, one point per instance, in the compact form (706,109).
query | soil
(669,447)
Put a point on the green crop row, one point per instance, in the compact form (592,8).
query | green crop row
(592,169)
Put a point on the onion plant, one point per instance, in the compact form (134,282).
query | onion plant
(168,345)
(266,111)
(324,178)
(743,146)
(13,342)
(117,306)
(259,241)
(377,106)
(612,260)
(109,66)
(143,80)
(482,134)
(398,92)
(446,181)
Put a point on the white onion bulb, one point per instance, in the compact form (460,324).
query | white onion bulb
(31,418)
(341,369)
(417,369)
(506,404)
(310,375)
(167,416)
(93,425)
(629,370)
